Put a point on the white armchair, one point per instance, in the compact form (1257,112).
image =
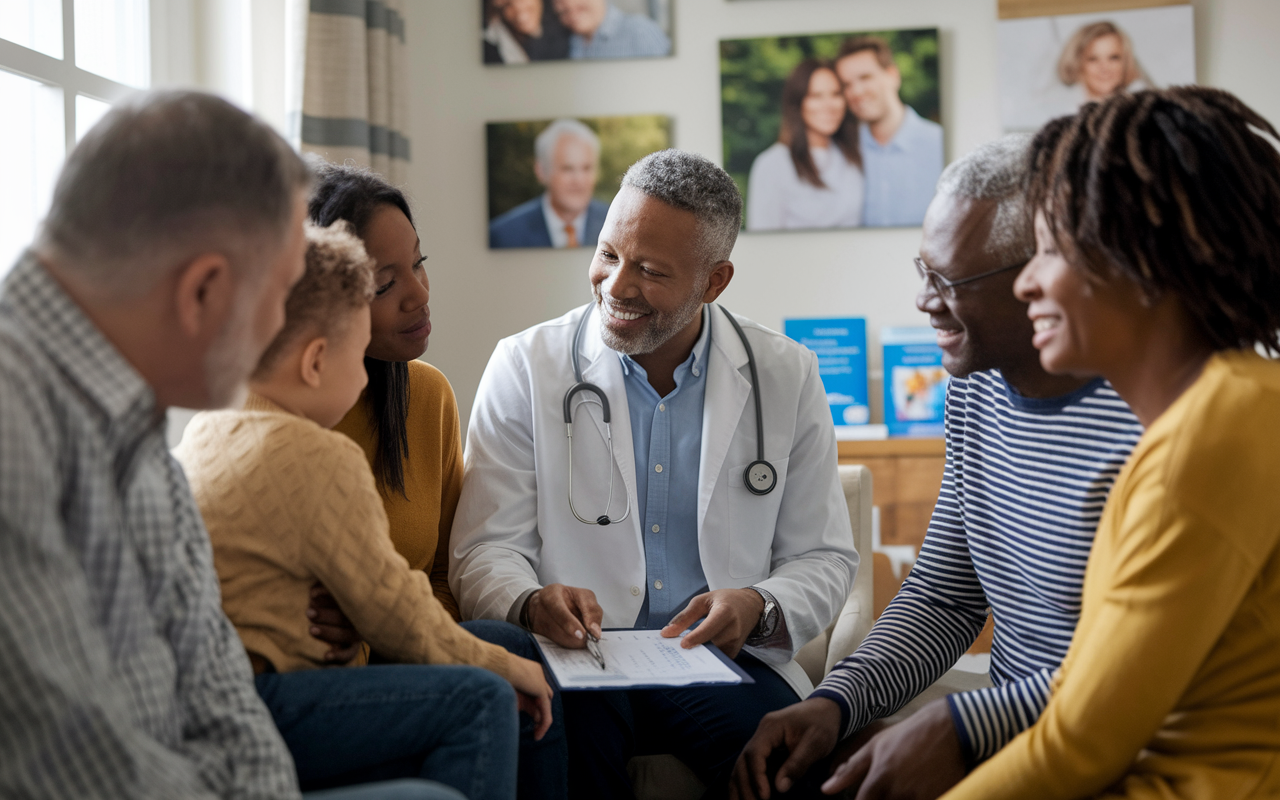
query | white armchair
(665,777)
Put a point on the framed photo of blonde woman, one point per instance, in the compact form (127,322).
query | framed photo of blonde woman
(1050,66)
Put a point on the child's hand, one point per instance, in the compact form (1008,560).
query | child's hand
(533,694)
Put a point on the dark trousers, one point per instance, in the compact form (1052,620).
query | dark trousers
(705,727)
(543,771)
(344,726)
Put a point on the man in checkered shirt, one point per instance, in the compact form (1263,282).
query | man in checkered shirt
(157,280)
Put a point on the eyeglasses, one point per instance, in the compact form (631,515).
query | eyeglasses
(947,288)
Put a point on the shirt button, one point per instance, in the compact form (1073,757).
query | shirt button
(695,372)
(655,528)
(658,468)
(662,406)
(657,584)
(635,591)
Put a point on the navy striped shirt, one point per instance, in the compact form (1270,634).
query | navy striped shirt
(1022,492)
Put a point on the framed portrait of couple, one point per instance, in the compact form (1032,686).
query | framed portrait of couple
(524,31)
(833,130)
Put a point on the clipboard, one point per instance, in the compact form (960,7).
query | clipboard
(576,677)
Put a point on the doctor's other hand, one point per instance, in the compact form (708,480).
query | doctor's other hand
(805,732)
(917,759)
(564,614)
(533,693)
(731,616)
(331,626)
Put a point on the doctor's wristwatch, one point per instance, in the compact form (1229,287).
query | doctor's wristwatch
(769,618)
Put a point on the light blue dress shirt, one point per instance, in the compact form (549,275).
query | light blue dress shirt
(666,433)
(901,176)
(621,36)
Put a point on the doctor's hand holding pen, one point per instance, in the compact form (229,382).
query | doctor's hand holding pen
(731,615)
(563,614)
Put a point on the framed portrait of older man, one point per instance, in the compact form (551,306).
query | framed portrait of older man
(524,31)
(551,181)
(833,130)
(1050,66)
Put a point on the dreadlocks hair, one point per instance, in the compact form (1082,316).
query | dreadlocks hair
(1178,191)
(344,192)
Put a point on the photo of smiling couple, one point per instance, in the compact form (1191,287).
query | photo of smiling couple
(843,135)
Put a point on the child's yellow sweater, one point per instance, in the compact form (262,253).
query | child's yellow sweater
(288,503)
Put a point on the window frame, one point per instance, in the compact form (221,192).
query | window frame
(62,73)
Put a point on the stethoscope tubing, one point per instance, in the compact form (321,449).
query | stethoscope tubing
(759,477)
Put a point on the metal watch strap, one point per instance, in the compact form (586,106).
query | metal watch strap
(770,609)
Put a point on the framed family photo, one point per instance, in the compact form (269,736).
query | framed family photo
(524,31)
(551,181)
(833,130)
(1049,66)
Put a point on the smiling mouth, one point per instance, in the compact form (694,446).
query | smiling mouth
(1041,324)
(624,315)
(417,327)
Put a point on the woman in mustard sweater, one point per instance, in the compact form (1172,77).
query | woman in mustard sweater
(406,421)
(1158,267)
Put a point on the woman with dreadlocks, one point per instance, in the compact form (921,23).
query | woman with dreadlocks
(1158,267)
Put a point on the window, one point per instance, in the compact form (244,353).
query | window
(62,63)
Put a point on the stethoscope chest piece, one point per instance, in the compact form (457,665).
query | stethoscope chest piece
(760,477)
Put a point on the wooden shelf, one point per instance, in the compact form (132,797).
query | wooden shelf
(882,448)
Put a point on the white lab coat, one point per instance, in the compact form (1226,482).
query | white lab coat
(513,530)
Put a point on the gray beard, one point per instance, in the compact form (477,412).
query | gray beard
(662,326)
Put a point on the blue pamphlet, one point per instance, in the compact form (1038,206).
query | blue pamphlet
(915,383)
(841,347)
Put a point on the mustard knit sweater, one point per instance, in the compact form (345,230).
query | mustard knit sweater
(288,503)
(422,517)
(1171,688)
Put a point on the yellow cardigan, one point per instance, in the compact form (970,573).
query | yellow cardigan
(288,503)
(1171,687)
(422,518)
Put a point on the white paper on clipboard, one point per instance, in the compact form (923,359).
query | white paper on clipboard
(635,659)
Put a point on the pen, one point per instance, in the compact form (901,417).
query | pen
(594,649)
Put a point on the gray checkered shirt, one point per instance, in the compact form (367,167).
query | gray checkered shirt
(119,674)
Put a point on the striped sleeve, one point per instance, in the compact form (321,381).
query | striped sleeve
(988,719)
(935,617)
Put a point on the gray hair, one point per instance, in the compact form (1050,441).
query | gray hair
(164,177)
(997,171)
(689,182)
(544,147)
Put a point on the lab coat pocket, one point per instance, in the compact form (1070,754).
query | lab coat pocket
(753,518)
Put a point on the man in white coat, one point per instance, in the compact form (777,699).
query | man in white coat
(654,523)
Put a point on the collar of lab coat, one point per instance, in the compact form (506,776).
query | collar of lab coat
(728,390)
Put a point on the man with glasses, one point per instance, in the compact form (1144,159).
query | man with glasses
(1030,459)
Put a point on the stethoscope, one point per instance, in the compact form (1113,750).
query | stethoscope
(759,477)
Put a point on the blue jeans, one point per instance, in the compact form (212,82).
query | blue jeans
(544,765)
(390,790)
(704,726)
(456,725)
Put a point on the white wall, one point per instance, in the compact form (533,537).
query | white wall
(479,296)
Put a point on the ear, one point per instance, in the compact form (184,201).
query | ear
(539,172)
(204,295)
(312,361)
(718,280)
(896,76)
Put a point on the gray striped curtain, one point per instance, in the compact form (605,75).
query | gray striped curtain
(347,84)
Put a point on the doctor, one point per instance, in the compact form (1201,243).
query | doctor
(644,518)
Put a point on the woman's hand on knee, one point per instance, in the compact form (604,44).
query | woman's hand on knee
(331,626)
